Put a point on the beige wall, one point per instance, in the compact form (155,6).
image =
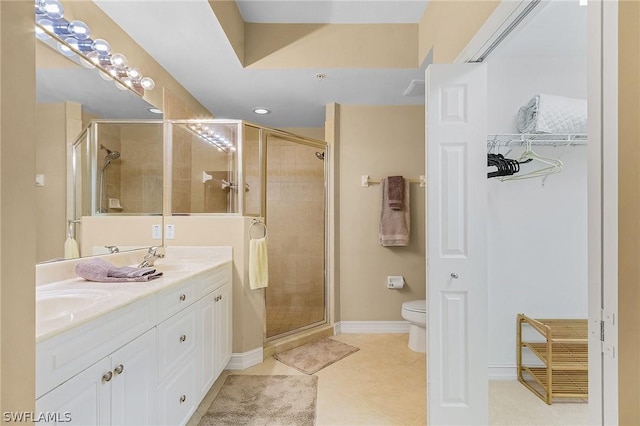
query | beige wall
(18,200)
(378,141)
(447,27)
(56,127)
(125,232)
(629,212)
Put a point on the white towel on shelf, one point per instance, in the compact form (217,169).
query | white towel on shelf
(394,228)
(258,263)
(553,114)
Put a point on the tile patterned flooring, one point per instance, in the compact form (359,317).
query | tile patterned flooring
(384,383)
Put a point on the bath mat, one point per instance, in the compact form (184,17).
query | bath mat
(315,356)
(264,400)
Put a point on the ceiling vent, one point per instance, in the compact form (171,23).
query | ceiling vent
(415,88)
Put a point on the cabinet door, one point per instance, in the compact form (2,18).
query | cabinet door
(177,399)
(133,387)
(82,400)
(222,324)
(206,340)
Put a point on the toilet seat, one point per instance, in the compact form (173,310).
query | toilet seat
(419,306)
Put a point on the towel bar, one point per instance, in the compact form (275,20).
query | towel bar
(257,222)
(366,181)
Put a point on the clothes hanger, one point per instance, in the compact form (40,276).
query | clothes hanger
(552,165)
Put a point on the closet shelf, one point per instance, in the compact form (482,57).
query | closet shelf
(563,353)
(539,139)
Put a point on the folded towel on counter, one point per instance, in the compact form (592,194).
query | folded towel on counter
(395,225)
(100,271)
(553,114)
(396,192)
(258,263)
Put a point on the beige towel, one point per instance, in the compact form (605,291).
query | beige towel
(258,263)
(394,227)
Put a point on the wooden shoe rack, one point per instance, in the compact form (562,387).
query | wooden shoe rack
(562,350)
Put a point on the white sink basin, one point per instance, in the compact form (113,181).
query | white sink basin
(62,305)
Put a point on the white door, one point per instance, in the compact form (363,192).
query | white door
(456,243)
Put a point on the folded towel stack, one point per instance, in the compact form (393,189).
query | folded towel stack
(104,272)
(553,114)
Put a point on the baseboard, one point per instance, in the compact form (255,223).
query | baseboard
(372,327)
(242,361)
(503,372)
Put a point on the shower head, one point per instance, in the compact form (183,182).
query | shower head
(320,155)
(111,155)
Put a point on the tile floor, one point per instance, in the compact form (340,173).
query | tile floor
(384,383)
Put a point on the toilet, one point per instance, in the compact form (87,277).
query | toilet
(415,311)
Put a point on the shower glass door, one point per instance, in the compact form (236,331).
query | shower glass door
(295,216)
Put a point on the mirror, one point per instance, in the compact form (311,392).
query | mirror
(69,97)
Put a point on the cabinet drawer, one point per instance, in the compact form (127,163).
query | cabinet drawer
(215,279)
(177,341)
(176,396)
(174,300)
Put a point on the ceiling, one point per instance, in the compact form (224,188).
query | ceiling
(197,53)
(185,37)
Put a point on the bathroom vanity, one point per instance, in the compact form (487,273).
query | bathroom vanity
(142,353)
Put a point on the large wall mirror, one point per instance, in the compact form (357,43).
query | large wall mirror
(99,161)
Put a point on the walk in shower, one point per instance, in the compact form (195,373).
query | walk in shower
(253,171)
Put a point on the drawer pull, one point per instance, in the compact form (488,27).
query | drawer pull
(183,398)
(183,338)
(119,369)
(107,376)
(183,297)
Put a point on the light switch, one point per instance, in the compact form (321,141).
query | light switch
(39,180)
(170,232)
(156,232)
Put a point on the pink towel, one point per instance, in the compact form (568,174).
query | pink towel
(104,272)
(394,226)
(396,192)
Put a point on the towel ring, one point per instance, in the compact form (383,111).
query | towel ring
(257,222)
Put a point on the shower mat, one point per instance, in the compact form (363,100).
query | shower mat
(315,356)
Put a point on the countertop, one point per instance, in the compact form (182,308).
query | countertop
(68,303)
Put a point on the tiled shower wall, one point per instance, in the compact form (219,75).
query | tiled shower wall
(296,220)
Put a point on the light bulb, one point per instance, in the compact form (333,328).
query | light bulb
(134,73)
(94,57)
(53,9)
(65,50)
(40,4)
(101,46)
(127,82)
(79,29)
(147,83)
(118,60)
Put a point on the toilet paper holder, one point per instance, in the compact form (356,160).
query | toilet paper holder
(395,282)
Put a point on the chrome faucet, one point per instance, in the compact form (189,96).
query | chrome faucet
(112,249)
(151,257)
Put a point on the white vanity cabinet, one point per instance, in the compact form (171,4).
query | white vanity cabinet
(119,389)
(147,362)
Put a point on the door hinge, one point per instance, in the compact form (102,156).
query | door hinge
(606,318)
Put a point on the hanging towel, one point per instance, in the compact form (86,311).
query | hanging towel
(394,226)
(71,248)
(258,263)
(100,271)
(396,192)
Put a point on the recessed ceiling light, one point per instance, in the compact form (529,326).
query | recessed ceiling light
(262,110)
(155,111)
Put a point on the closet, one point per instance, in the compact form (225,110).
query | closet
(537,216)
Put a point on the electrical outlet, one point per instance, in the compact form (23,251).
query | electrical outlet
(156,232)
(170,232)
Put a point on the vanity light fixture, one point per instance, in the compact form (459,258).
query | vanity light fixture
(212,138)
(73,38)
(262,110)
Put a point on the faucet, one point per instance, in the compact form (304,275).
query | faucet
(112,249)
(151,257)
